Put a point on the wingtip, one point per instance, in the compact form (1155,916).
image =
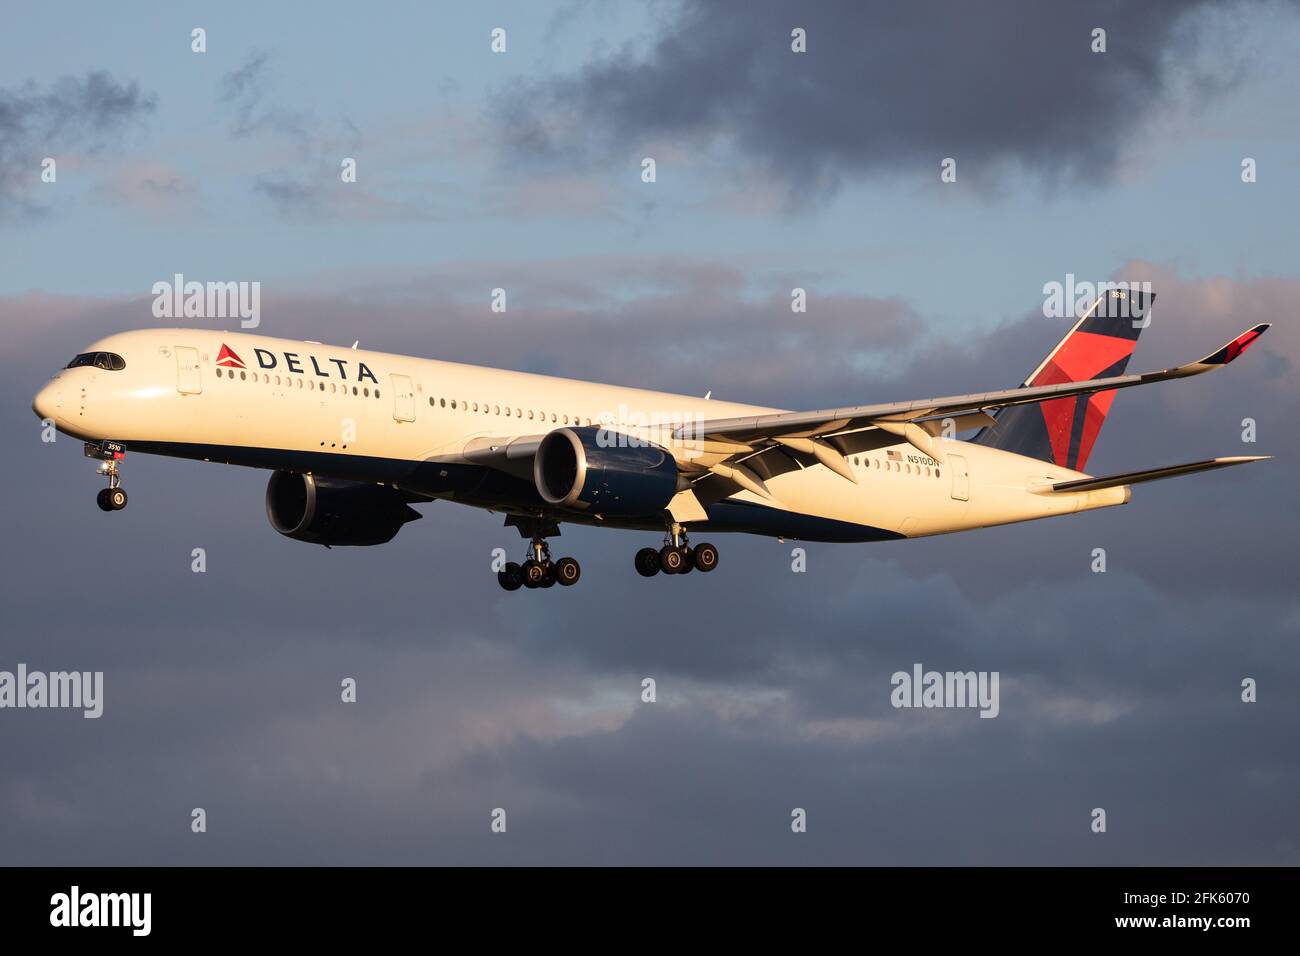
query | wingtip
(1237,346)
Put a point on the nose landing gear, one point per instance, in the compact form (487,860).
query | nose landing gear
(676,556)
(111,499)
(109,454)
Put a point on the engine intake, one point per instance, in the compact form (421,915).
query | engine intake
(330,511)
(592,469)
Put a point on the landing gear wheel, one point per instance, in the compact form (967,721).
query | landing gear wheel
(706,557)
(567,572)
(511,577)
(647,562)
(116,498)
(101,499)
(672,560)
(533,573)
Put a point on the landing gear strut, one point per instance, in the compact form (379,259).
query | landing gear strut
(539,570)
(676,556)
(109,454)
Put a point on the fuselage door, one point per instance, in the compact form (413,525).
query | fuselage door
(188,380)
(960,478)
(403,398)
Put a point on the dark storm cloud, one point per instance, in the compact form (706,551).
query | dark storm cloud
(1119,690)
(883,87)
(72,115)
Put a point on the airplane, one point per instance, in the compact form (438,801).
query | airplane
(354,438)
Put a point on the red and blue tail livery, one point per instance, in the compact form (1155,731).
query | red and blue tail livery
(1064,430)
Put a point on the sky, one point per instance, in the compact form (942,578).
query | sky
(522,170)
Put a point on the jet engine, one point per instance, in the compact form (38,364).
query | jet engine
(330,511)
(605,472)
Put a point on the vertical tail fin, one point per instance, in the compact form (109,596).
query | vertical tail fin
(1064,430)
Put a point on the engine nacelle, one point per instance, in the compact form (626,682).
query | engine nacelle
(334,512)
(573,469)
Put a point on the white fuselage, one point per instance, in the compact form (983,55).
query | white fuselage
(412,423)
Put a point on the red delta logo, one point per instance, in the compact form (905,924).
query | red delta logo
(228,358)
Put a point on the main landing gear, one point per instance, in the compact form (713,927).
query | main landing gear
(109,454)
(676,556)
(539,571)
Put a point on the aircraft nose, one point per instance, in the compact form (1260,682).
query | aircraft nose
(48,402)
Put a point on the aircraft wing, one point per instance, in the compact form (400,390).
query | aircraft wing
(513,454)
(920,420)
(763,446)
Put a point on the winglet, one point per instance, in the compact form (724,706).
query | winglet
(1234,348)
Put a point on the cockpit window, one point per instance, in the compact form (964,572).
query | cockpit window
(109,361)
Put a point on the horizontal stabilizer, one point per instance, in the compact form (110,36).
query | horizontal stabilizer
(1154,474)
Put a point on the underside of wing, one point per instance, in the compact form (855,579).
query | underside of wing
(512,454)
(772,444)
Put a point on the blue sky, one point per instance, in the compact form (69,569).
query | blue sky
(420,107)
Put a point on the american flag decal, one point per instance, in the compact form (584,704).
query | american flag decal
(896,456)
